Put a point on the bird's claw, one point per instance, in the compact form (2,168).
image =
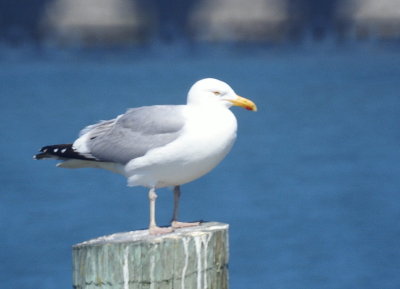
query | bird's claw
(177,225)
(155,230)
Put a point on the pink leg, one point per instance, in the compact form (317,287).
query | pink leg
(153,228)
(175,224)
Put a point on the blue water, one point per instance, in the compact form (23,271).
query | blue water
(311,189)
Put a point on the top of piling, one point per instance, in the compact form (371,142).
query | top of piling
(143,235)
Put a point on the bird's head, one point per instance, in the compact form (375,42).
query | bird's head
(210,90)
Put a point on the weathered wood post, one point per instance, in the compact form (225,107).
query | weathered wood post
(189,258)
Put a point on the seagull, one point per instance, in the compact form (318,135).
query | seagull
(161,145)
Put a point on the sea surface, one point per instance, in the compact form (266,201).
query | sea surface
(311,189)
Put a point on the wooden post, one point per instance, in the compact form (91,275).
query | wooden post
(189,258)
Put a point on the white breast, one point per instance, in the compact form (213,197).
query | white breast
(207,137)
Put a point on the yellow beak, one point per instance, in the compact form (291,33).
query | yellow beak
(244,102)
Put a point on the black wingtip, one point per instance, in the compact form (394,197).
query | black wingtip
(38,156)
(53,151)
(60,151)
(42,155)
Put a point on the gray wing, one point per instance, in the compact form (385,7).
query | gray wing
(134,133)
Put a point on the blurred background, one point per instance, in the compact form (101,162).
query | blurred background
(311,187)
(123,22)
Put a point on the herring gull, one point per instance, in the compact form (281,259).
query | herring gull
(161,145)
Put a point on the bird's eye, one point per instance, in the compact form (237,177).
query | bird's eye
(217,92)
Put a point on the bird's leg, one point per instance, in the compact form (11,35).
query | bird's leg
(175,224)
(153,228)
(177,196)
